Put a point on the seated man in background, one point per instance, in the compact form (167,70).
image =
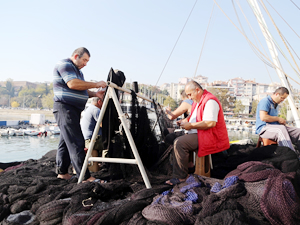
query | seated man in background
(88,123)
(207,133)
(270,126)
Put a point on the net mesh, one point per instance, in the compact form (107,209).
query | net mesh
(265,188)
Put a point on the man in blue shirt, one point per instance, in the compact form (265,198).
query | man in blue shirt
(70,96)
(270,126)
(88,123)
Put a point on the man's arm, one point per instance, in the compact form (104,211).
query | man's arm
(184,107)
(210,117)
(80,85)
(264,116)
(203,125)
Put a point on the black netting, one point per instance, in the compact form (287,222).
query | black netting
(248,186)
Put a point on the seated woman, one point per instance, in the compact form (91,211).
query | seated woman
(184,108)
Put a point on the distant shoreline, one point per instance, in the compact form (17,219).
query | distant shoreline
(20,114)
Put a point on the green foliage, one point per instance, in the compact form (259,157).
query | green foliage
(238,106)
(47,101)
(3,91)
(254,107)
(9,87)
(165,92)
(4,100)
(171,103)
(224,97)
(28,92)
(283,109)
(27,96)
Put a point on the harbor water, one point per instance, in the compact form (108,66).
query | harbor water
(21,148)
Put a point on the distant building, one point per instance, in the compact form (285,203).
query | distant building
(238,85)
(250,88)
(173,90)
(200,79)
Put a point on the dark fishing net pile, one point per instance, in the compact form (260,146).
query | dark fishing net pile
(248,186)
(260,186)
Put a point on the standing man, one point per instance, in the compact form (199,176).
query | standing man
(206,128)
(70,96)
(270,126)
(88,123)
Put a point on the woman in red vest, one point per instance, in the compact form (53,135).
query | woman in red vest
(207,133)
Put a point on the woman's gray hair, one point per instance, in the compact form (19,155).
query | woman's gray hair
(95,99)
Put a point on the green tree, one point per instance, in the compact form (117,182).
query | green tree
(170,102)
(27,92)
(165,92)
(47,101)
(224,97)
(4,100)
(254,107)
(238,107)
(41,89)
(10,88)
(283,109)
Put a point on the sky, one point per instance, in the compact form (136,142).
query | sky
(151,41)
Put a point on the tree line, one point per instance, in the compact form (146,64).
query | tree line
(40,97)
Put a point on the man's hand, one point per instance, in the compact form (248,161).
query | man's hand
(186,125)
(101,84)
(178,122)
(100,94)
(281,121)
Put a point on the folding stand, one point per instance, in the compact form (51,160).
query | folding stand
(137,160)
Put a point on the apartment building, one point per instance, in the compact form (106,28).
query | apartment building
(238,85)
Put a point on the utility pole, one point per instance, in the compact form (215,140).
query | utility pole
(263,26)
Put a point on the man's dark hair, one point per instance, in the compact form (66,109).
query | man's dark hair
(80,51)
(193,85)
(282,91)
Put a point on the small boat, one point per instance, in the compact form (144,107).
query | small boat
(11,132)
(19,132)
(3,132)
(31,132)
(54,130)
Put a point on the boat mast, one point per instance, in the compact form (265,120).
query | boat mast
(263,26)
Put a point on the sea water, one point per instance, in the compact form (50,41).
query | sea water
(22,148)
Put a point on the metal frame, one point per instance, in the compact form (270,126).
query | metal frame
(137,160)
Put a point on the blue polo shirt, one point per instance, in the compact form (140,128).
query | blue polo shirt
(89,120)
(65,71)
(266,104)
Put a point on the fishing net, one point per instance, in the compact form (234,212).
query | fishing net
(254,192)
(248,185)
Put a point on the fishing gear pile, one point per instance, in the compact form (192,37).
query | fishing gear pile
(249,185)
(263,189)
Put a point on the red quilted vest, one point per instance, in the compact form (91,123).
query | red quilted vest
(214,139)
